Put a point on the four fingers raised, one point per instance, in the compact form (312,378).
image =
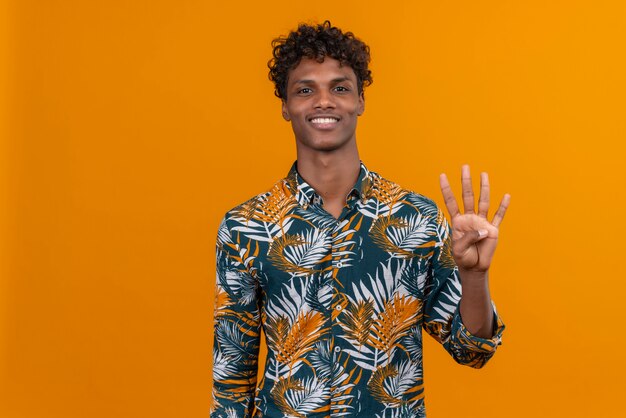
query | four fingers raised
(468,197)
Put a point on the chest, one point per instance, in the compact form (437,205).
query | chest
(324,261)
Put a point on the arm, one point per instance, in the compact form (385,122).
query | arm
(236,330)
(475,306)
(443,316)
(474,241)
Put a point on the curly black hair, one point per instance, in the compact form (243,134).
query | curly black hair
(317,42)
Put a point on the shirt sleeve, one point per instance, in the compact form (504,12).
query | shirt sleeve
(442,318)
(236,328)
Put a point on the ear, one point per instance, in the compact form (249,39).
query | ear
(285,111)
(361,105)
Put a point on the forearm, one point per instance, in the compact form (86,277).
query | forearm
(475,306)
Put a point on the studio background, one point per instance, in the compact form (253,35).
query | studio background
(130,127)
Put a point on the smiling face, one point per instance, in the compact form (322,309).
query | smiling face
(323,104)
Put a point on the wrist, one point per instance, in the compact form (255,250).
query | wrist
(474,281)
(473,278)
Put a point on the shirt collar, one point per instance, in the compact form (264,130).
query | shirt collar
(306,195)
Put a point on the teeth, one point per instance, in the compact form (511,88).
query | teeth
(323,120)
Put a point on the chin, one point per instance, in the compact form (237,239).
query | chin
(324,145)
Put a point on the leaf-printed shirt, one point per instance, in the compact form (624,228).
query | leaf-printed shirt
(341,302)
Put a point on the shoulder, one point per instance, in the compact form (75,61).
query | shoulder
(272,199)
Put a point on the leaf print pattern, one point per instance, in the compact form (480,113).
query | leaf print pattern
(299,398)
(402,236)
(392,323)
(342,303)
(358,321)
(300,253)
(300,338)
(392,384)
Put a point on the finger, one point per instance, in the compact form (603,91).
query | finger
(469,238)
(468,193)
(448,196)
(483,200)
(504,204)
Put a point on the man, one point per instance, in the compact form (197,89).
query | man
(341,268)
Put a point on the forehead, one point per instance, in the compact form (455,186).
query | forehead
(329,69)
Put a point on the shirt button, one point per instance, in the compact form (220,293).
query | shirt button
(337,349)
(340,264)
(339,307)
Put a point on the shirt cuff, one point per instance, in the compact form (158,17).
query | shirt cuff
(473,343)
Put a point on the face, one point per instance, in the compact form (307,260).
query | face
(323,104)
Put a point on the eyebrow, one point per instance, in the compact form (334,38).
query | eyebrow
(334,80)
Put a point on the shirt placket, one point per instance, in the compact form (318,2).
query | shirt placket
(341,278)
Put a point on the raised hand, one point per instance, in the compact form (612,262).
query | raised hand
(474,238)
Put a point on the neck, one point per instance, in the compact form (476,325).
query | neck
(331,174)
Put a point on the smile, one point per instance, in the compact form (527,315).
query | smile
(324,120)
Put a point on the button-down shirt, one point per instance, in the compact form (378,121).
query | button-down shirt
(342,303)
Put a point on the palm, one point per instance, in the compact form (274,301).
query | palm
(471,251)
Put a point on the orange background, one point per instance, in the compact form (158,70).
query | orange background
(130,127)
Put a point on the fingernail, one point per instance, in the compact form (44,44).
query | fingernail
(482,233)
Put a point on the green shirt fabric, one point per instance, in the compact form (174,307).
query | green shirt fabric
(341,302)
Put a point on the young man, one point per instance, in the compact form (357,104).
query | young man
(341,268)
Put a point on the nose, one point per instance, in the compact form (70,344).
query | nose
(324,100)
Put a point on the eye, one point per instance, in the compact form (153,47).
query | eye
(304,90)
(342,89)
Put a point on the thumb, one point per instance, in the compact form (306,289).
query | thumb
(468,239)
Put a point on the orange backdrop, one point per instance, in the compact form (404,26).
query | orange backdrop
(130,127)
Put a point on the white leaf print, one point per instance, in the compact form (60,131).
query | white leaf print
(453,294)
(259,230)
(275,371)
(377,288)
(314,394)
(314,247)
(374,209)
(318,217)
(223,367)
(223,234)
(426,206)
(368,362)
(416,231)
(408,374)
(290,303)
(321,359)
(232,341)
(243,285)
